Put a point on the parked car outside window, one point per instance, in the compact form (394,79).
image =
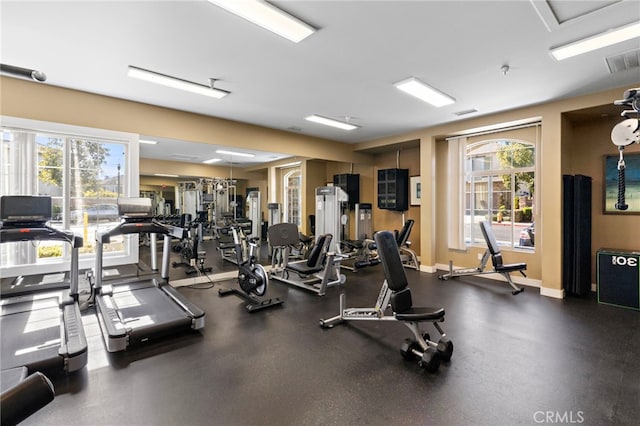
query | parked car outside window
(97,213)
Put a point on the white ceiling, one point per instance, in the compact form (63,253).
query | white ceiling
(346,69)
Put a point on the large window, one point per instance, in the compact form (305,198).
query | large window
(293,196)
(84,175)
(500,186)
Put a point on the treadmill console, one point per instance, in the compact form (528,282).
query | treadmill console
(25,209)
(135,208)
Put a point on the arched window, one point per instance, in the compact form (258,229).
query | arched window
(292,184)
(500,186)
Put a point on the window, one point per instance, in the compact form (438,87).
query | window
(499,186)
(292,196)
(84,175)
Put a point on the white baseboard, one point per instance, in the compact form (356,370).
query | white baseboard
(427,268)
(552,292)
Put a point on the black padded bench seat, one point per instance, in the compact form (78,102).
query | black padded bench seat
(512,267)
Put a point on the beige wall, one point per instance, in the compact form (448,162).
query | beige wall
(587,143)
(24,99)
(549,185)
(393,220)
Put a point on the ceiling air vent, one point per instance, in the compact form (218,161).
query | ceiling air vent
(624,61)
(465,112)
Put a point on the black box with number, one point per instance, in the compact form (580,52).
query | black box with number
(618,274)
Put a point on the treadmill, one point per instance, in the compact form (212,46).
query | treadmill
(41,324)
(138,310)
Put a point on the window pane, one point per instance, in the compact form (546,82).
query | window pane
(498,189)
(293,196)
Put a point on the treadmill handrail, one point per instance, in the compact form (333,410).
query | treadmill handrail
(138,227)
(27,233)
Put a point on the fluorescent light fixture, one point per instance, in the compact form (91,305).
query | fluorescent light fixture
(426,93)
(165,175)
(598,41)
(239,154)
(148,142)
(176,83)
(331,122)
(268,17)
(212,160)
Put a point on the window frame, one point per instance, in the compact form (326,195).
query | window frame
(130,185)
(471,177)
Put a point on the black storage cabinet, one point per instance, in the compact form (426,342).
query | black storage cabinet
(349,183)
(393,189)
(576,234)
(618,275)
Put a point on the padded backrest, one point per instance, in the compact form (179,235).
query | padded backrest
(185,220)
(492,243)
(283,234)
(391,261)
(401,301)
(319,251)
(403,235)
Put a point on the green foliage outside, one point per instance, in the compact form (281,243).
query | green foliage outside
(514,156)
(49,251)
(87,158)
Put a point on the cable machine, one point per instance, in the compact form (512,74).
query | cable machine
(624,134)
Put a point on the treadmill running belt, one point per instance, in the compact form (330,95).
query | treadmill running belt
(39,341)
(134,310)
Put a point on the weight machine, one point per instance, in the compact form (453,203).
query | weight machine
(624,134)
(254,214)
(330,219)
(361,251)
(317,273)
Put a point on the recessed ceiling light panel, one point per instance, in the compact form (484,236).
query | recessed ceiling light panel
(239,154)
(426,93)
(331,122)
(212,160)
(268,17)
(598,41)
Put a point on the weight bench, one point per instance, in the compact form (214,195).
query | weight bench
(396,296)
(493,251)
(408,256)
(316,273)
(23,395)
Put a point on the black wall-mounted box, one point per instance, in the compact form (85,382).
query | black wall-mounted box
(349,183)
(393,189)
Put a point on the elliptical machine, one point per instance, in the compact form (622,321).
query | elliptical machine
(252,277)
(191,257)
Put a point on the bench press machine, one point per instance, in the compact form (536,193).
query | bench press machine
(493,251)
(396,296)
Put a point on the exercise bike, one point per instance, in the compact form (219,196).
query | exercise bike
(252,277)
